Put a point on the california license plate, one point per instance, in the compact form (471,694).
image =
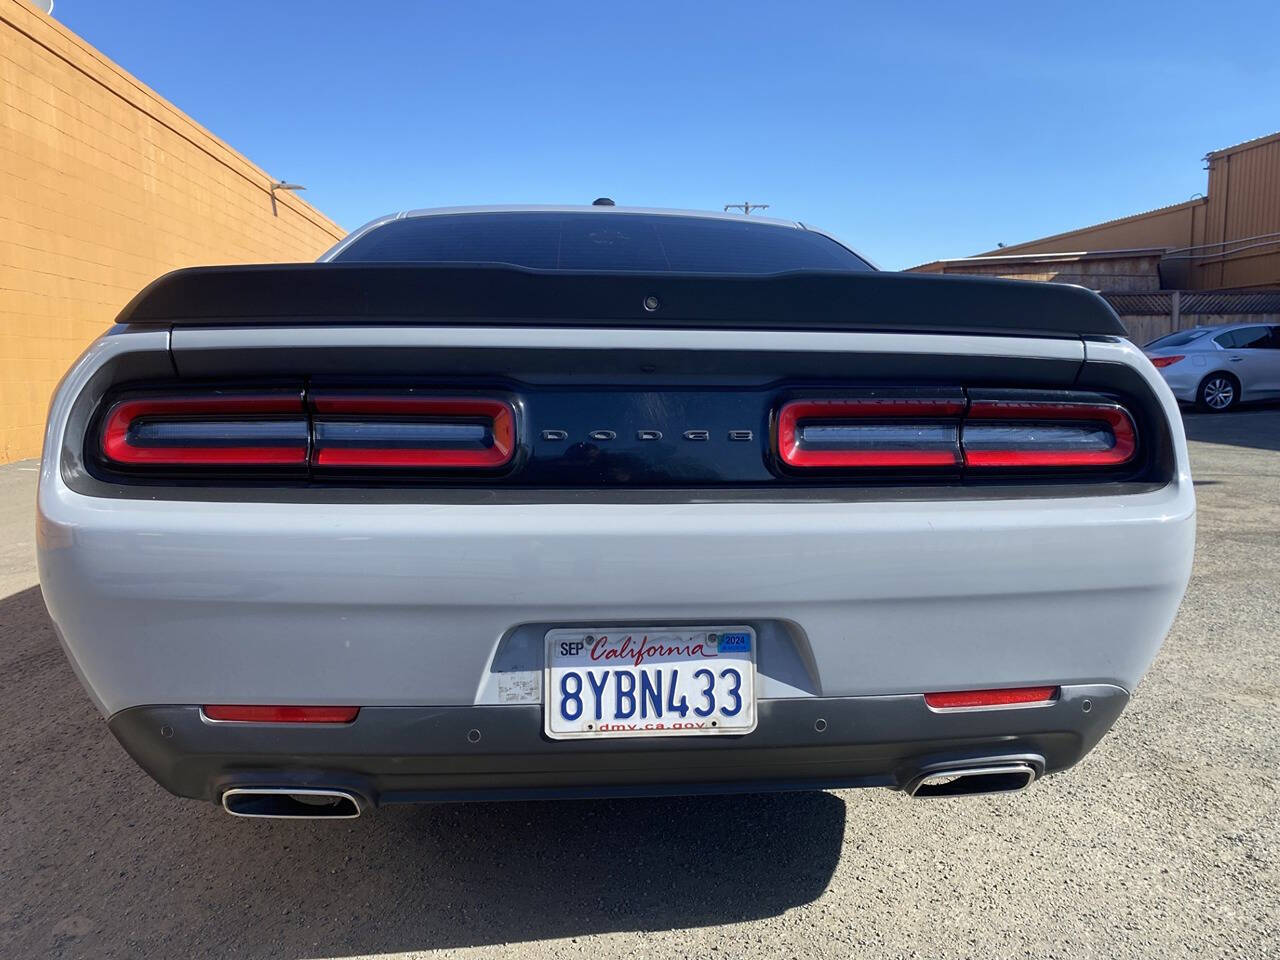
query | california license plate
(649,682)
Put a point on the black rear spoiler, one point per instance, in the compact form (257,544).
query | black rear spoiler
(500,295)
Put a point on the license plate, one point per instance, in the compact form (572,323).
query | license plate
(649,682)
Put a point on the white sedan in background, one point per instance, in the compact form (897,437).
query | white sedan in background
(1219,367)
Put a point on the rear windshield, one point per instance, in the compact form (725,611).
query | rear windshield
(1179,339)
(602,241)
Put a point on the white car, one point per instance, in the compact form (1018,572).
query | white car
(1218,367)
(547,502)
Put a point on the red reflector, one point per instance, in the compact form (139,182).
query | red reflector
(413,431)
(1003,435)
(1159,362)
(260,714)
(208,430)
(859,436)
(990,698)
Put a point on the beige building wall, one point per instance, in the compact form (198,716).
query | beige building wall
(1117,272)
(1180,225)
(104,186)
(1229,239)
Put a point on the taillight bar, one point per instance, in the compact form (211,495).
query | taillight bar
(217,429)
(1010,434)
(947,433)
(427,432)
(871,432)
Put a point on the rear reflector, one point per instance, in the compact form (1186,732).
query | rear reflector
(990,698)
(429,432)
(224,430)
(1011,434)
(891,432)
(262,714)
(1159,362)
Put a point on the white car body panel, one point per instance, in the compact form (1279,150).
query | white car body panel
(170,601)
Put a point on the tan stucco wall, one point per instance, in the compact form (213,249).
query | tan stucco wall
(104,186)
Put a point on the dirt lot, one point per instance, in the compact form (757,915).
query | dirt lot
(1164,842)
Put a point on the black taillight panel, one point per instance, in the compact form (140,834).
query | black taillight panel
(504,434)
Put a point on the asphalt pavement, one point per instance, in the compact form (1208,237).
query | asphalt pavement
(1164,842)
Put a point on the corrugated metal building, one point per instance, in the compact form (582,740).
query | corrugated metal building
(1228,240)
(1240,242)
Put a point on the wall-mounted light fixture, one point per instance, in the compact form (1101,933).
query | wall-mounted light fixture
(281,185)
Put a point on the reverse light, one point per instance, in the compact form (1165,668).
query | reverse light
(970,699)
(426,432)
(214,429)
(1161,362)
(234,713)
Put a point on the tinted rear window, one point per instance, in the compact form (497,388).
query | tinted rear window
(1245,338)
(1179,339)
(602,241)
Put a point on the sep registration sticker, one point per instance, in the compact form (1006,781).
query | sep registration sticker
(649,682)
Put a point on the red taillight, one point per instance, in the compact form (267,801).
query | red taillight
(920,433)
(223,430)
(279,714)
(1159,362)
(893,432)
(1013,434)
(429,432)
(960,699)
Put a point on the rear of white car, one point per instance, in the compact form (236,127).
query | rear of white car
(1221,366)
(380,533)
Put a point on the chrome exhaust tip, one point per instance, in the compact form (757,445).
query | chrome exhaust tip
(974,780)
(291,803)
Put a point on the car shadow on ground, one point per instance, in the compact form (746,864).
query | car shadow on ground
(1255,425)
(99,861)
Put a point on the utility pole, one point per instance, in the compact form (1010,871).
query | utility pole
(746,208)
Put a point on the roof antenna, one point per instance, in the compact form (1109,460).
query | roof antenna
(602,202)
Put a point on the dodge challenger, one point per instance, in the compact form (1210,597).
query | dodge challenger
(496,503)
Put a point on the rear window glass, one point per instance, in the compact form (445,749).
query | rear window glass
(602,241)
(1179,339)
(1244,338)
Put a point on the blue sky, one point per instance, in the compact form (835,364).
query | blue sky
(912,130)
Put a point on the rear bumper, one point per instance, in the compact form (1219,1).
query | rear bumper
(446,604)
(430,754)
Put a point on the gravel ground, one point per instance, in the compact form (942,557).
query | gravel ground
(1163,842)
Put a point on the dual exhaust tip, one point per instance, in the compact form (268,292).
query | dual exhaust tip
(975,779)
(293,803)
